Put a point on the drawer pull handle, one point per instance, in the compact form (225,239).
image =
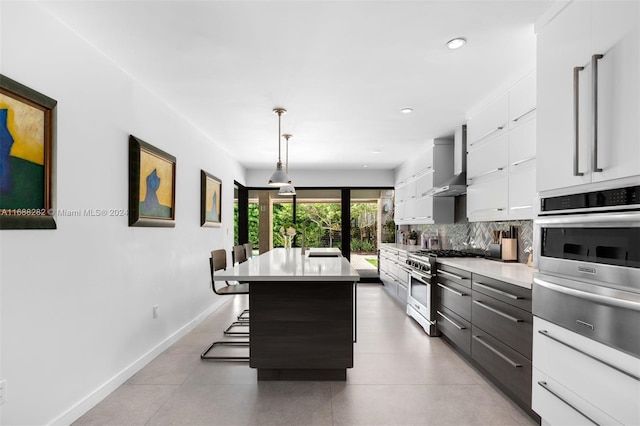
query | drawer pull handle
(517,163)
(497,352)
(499,312)
(545,333)
(546,387)
(523,114)
(576,121)
(458,277)
(499,169)
(495,290)
(451,321)
(487,134)
(594,112)
(451,290)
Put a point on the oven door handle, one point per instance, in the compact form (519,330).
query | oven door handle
(422,278)
(546,334)
(606,300)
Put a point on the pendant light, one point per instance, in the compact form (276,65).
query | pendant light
(279,177)
(287,189)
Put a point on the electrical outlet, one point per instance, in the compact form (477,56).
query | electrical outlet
(156,308)
(3,391)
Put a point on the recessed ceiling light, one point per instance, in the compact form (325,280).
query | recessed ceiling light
(365,166)
(456,43)
(406,110)
(377,152)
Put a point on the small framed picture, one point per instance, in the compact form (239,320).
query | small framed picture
(210,200)
(27,157)
(152,185)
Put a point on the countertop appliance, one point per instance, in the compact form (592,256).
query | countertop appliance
(421,294)
(586,306)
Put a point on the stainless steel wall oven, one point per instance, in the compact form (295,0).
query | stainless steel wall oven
(586,306)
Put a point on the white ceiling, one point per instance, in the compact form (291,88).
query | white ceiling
(342,69)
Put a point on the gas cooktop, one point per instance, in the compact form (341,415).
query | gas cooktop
(448,253)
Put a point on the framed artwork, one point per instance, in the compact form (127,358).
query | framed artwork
(27,157)
(152,185)
(210,200)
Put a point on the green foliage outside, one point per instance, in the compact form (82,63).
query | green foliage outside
(321,224)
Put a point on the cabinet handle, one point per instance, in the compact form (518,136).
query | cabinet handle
(459,327)
(576,120)
(451,290)
(528,206)
(497,352)
(497,311)
(523,114)
(517,163)
(545,333)
(440,271)
(499,169)
(495,290)
(546,387)
(594,112)
(488,210)
(487,134)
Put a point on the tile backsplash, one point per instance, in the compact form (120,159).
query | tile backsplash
(478,235)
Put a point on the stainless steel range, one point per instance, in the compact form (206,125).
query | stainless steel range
(421,295)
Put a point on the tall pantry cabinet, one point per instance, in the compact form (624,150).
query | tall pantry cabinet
(588,94)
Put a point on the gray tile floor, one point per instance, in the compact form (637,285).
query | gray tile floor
(400,377)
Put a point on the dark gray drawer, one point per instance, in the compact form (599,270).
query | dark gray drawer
(508,366)
(513,326)
(455,297)
(509,293)
(446,273)
(457,329)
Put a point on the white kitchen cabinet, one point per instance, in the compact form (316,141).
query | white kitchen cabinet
(595,379)
(487,197)
(566,47)
(501,170)
(522,101)
(414,204)
(489,157)
(489,122)
(522,190)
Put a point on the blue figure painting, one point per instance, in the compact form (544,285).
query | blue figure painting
(150,206)
(21,180)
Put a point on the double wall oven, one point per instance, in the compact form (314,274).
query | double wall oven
(586,306)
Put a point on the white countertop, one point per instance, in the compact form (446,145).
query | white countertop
(282,264)
(514,273)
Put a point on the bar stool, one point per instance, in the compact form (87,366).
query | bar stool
(218,261)
(239,255)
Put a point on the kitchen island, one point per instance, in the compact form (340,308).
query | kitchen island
(302,312)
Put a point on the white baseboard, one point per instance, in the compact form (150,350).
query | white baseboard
(91,400)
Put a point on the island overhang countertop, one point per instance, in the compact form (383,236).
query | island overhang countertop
(290,264)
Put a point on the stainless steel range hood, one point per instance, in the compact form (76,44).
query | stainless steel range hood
(457,185)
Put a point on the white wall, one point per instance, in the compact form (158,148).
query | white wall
(76,307)
(326,178)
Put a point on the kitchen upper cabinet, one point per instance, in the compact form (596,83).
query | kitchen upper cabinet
(588,95)
(522,101)
(488,197)
(501,157)
(415,181)
(493,119)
